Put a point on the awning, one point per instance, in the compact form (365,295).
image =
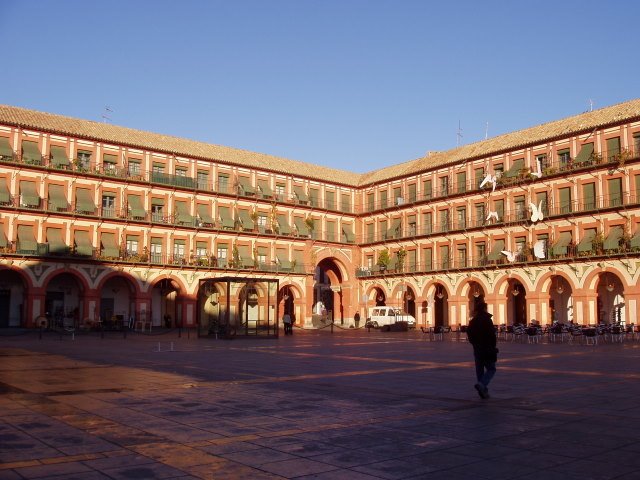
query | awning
(204,212)
(496,252)
(157,201)
(31,153)
(136,210)
(59,157)
(57,198)
(6,152)
(394,231)
(634,243)
(612,242)
(110,248)
(300,194)
(56,242)
(586,244)
(111,159)
(265,189)
(514,171)
(283,262)
(347,231)
(585,154)
(301,226)
(26,239)
(298,257)
(225,218)
(83,243)
(246,259)
(245,186)
(5,196)
(28,194)
(283,225)
(183,217)
(245,219)
(84,201)
(560,247)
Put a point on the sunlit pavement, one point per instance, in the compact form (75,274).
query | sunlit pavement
(352,405)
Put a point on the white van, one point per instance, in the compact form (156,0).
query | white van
(382,316)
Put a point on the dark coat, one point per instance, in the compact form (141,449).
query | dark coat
(482,335)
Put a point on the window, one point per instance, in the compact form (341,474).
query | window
(181,172)
(614,186)
(108,205)
(636,145)
(520,211)
(427,189)
(613,148)
(201,249)
(498,205)
(589,196)
(498,170)
(203,180)
(156,250)
(461,182)
(427,259)
(462,256)
(371,202)
(427,223)
(384,201)
(413,196)
(369,262)
(157,168)
(280,191)
(178,251)
(223,182)
(330,200)
(397,196)
(132,245)
(444,186)
(345,202)
(564,158)
(444,257)
(109,164)
(313,197)
(479,176)
(461,214)
(411,222)
(543,161)
(383,229)
(480,214)
(564,195)
(221,253)
(444,221)
(133,168)
(84,159)
(521,243)
(370,232)
(261,255)
(481,253)
(157,212)
(262,222)
(542,199)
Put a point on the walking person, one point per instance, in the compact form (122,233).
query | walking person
(286,320)
(482,335)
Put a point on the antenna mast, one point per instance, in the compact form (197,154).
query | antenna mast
(105,115)
(459,134)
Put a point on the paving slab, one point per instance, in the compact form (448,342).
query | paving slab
(315,405)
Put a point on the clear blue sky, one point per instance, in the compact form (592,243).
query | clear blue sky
(350,84)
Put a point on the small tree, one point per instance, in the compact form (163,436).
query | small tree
(384,259)
(401,255)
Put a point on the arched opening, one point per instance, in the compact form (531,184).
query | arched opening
(286,298)
(560,300)
(164,304)
(440,309)
(327,293)
(117,302)
(380,299)
(13,293)
(516,303)
(611,305)
(476,295)
(409,301)
(63,301)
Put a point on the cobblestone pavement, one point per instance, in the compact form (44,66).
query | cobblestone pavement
(349,405)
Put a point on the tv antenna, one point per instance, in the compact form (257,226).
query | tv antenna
(459,134)
(486,131)
(106,114)
(590,105)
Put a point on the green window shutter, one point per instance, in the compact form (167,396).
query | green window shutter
(347,232)
(84,201)
(586,244)
(204,212)
(589,196)
(283,225)
(370,232)
(26,239)
(444,256)
(136,210)
(496,251)
(56,241)
(614,187)
(300,194)
(28,194)
(331,232)
(479,176)
(59,157)
(637,178)
(561,246)
(499,206)
(461,181)
(427,259)
(565,200)
(330,200)
(427,189)
(413,196)
(586,154)
(516,166)
(5,196)
(6,152)
(31,153)
(225,218)
(612,242)
(83,243)
(245,219)
(265,189)
(110,248)
(384,200)
(298,257)
(313,197)
(613,148)
(57,198)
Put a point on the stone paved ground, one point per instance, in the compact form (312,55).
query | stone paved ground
(352,405)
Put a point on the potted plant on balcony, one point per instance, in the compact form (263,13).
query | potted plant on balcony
(309,222)
(383,260)
(401,255)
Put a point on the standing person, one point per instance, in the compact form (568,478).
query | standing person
(286,320)
(482,336)
(356,319)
